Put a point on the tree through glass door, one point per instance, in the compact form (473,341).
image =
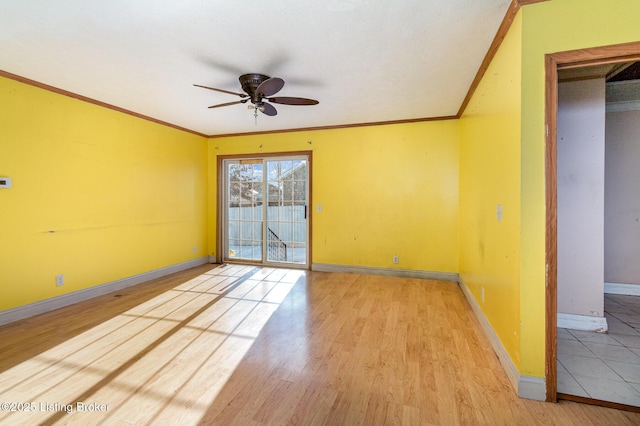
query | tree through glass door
(266,210)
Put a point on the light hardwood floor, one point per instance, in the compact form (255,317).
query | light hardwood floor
(241,345)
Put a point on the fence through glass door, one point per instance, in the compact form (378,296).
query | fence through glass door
(266,206)
(244,209)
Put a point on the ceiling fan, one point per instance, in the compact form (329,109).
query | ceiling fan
(259,89)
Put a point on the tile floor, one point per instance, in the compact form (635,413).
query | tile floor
(604,366)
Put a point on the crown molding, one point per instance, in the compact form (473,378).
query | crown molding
(526,2)
(507,21)
(338,126)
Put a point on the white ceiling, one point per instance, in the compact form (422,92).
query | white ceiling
(364,60)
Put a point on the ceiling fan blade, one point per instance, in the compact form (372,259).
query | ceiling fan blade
(229,103)
(285,100)
(270,86)
(268,109)
(242,95)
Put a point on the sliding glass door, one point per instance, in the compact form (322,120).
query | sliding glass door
(265,210)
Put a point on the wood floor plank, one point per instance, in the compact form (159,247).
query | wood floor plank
(314,406)
(243,345)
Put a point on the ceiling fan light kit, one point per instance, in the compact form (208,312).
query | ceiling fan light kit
(259,89)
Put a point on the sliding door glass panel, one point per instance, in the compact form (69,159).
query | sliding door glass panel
(244,210)
(287,211)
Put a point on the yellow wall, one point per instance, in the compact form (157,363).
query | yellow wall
(490,176)
(384,190)
(123,195)
(549,27)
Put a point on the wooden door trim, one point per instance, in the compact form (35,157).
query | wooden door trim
(626,52)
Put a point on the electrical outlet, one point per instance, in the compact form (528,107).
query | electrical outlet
(59,280)
(396,260)
(195,249)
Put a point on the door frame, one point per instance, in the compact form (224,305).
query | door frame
(627,52)
(220,200)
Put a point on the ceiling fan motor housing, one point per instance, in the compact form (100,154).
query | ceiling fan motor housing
(250,83)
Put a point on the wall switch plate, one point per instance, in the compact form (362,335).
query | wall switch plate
(5,182)
(499,212)
(396,259)
(59,280)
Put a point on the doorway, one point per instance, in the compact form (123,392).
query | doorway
(264,209)
(577,60)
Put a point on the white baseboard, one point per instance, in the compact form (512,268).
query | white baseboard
(620,288)
(527,387)
(36,308)
(212,259)
(390,272)
(582,322)
(534,388)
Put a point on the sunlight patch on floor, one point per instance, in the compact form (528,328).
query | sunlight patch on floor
(164,360)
